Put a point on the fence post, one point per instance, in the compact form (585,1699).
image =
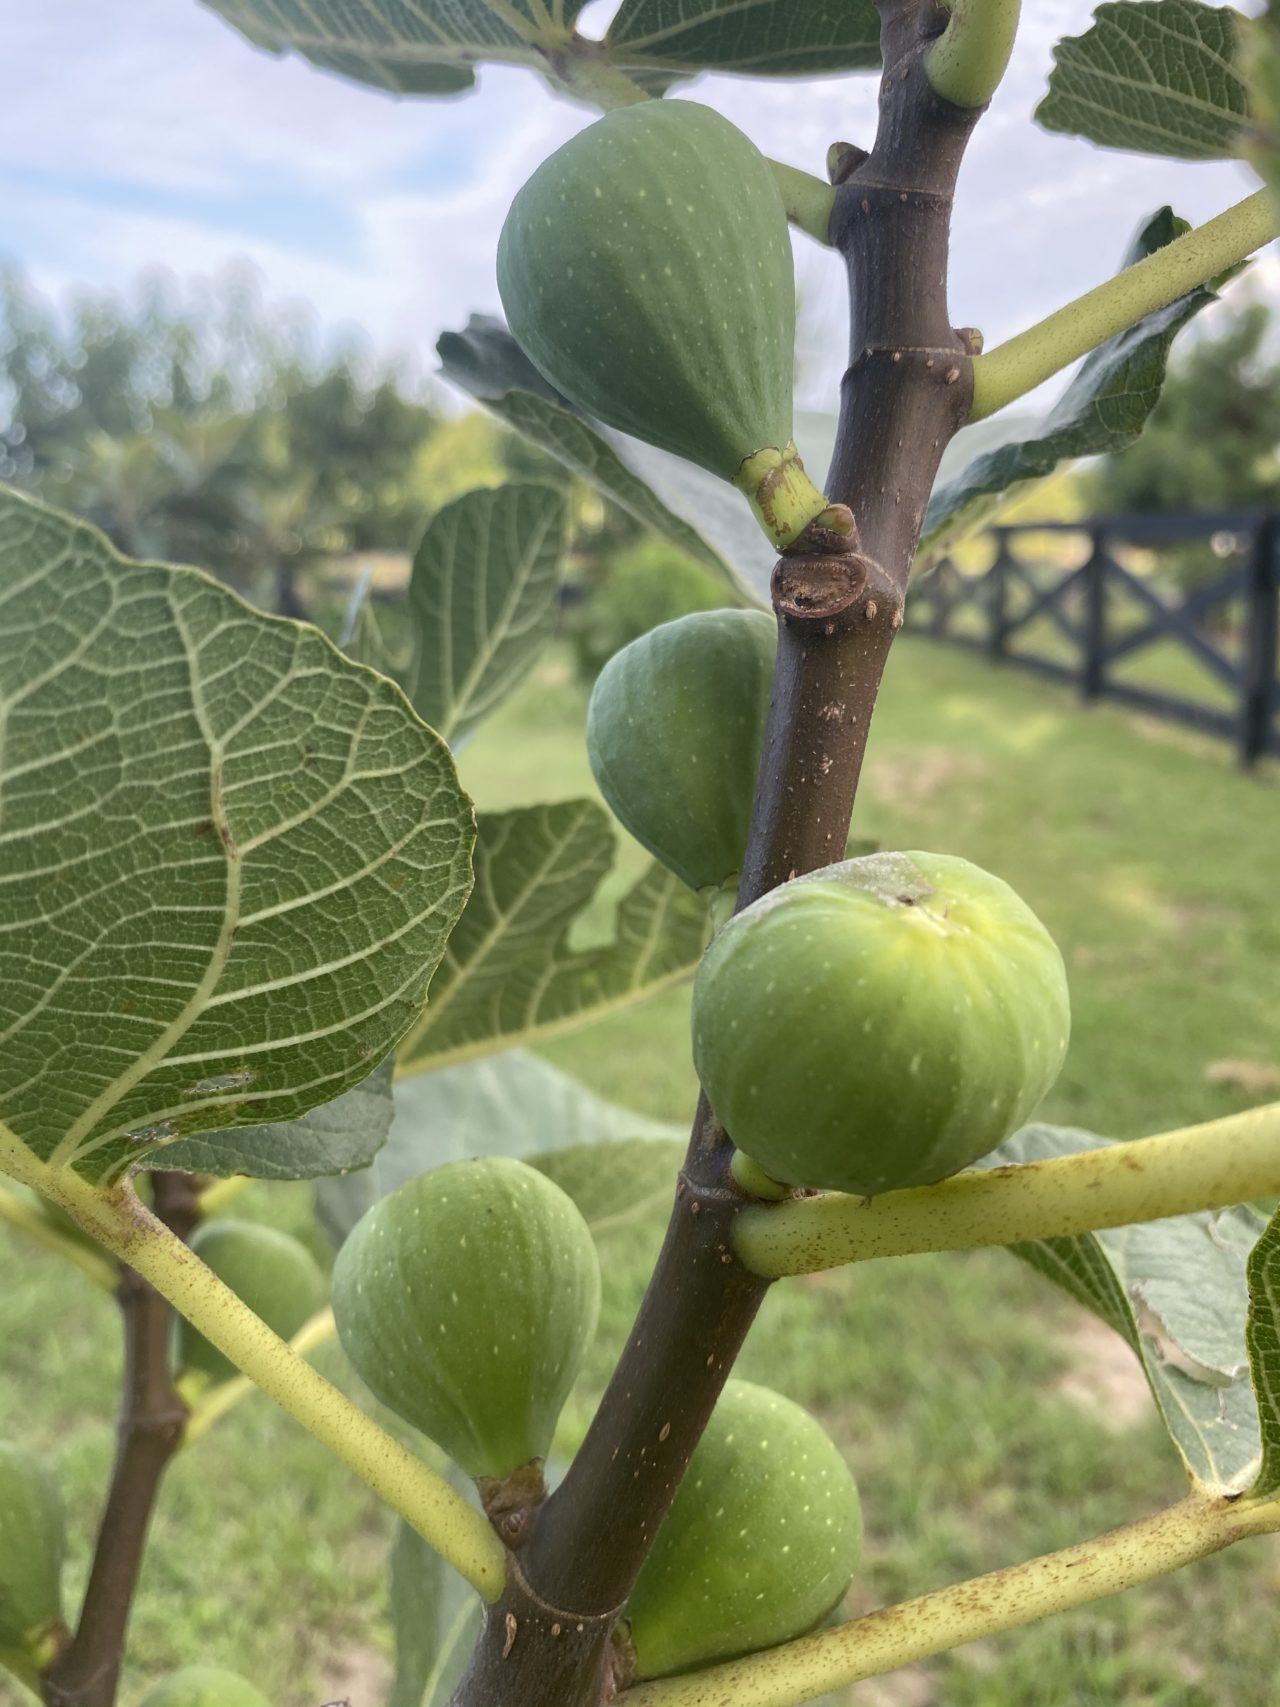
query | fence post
(1093,662)
(997,598)
(1258,678)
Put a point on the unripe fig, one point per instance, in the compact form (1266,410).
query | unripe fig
(203,1686)
(646,269)
(761,1541)
(674,729)
(32,1543)
(275,1275)
(465,1300)
(880,1023)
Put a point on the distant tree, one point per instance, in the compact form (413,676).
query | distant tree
(205,426)
(1213,439)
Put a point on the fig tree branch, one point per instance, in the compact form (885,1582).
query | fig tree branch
(32,1224)
(970,57)
(87,1671)
(905,394)
(983,1606)
(1209,1166)
(1013,368)
(116,1218)
(227,1394)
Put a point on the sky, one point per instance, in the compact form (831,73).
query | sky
(137,134)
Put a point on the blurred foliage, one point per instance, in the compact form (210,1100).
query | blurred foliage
(631,591)
(1213,440)
(1212,443)
(203,426)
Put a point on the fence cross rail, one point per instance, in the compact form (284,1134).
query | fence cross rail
(1101,613)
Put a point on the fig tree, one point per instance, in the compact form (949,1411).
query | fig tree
(761,1541)
(465,1300)
(646,269)
(879,1023)
(203,1686)
(674,729)
(275,1275)
(32,1543)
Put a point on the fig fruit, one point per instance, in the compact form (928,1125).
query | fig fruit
(465,1300)
(32,1543)
(761,1541)
(674,729)
(203,1686)
(646,270)
(879,1023)
(275,1275)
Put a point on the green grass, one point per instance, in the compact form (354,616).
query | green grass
(974,1403)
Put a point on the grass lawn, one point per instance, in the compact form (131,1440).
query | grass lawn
(986,1418)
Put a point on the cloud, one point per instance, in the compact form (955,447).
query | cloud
(144,132)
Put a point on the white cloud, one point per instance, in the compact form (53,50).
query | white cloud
(144,132)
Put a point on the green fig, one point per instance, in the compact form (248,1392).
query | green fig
(761,1541)
(465,1301)
(275,1275)
(203,1686)
(32,1544)
(880,1023)
(674,730)
(646,270)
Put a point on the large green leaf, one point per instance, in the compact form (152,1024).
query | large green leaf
(509,975)
(1154,76)
(430,47)
(704,516)
(332,1138)
(1103,409)
(409,47)
(362,637)
(229,858)
(483,601)
(509,1105)
(1263,1337)
(765,38)
(1176,1292)
(435,1619)
(620,1185)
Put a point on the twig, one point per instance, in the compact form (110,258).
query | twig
(1209,1166)
(152,1416)
(35,1225)
(984,1606)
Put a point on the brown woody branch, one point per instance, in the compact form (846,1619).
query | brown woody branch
(152,1418)
(906,392)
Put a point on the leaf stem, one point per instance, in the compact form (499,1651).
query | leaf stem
(984,1606)
(1027,360)
(227,1394)
(114,1216)
(215,1198)
(967,62)
(581,68)
(36,1226)
(1208,1166)
(808,200)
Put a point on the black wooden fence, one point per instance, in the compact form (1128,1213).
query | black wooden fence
(1173,614)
